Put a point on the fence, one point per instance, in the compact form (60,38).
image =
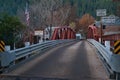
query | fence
(111,60)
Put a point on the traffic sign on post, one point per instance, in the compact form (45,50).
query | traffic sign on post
(101,12)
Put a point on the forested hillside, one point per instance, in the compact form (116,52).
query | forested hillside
(83,6)
(11,6)
(90,6)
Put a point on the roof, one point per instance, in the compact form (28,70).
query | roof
(111,30)
(110,33)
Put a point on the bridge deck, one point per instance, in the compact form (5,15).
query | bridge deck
(74,61)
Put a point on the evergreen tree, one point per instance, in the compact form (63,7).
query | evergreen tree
(10,29)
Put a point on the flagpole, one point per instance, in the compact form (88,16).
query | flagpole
(27,15)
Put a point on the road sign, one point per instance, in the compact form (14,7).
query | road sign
(108,20)
(2,46)
(117,47)
(38,32)
(101,12)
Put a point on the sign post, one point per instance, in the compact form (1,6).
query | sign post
(101,13)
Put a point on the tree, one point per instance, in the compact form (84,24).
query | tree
(60,16)
(42,12)
(10,29)
(85,21)
(72,15)
(72,26)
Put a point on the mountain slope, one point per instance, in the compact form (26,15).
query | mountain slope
(83,6)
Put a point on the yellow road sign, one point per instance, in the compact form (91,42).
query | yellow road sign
(2,46)
(117,47)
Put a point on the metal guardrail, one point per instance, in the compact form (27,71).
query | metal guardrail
(111,59)
(6,58)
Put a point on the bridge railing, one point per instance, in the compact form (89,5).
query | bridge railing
(14,56)
(111,60)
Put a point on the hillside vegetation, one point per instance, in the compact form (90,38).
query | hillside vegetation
(83,6)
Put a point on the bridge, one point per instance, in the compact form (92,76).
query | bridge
(61,59)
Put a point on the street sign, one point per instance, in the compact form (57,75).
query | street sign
(109,19)
(38,32)
(101,12)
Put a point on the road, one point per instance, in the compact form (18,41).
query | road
(73,61)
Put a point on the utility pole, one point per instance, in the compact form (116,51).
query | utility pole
(101,13)
(27,16)
(101,30)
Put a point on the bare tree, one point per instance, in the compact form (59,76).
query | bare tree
(42,12)
(61,15)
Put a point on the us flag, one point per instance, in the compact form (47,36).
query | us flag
(27,14)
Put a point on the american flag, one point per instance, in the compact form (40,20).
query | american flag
(27,14)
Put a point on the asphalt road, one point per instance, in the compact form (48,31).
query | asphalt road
(73,61)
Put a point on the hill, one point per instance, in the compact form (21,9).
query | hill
(83,6)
